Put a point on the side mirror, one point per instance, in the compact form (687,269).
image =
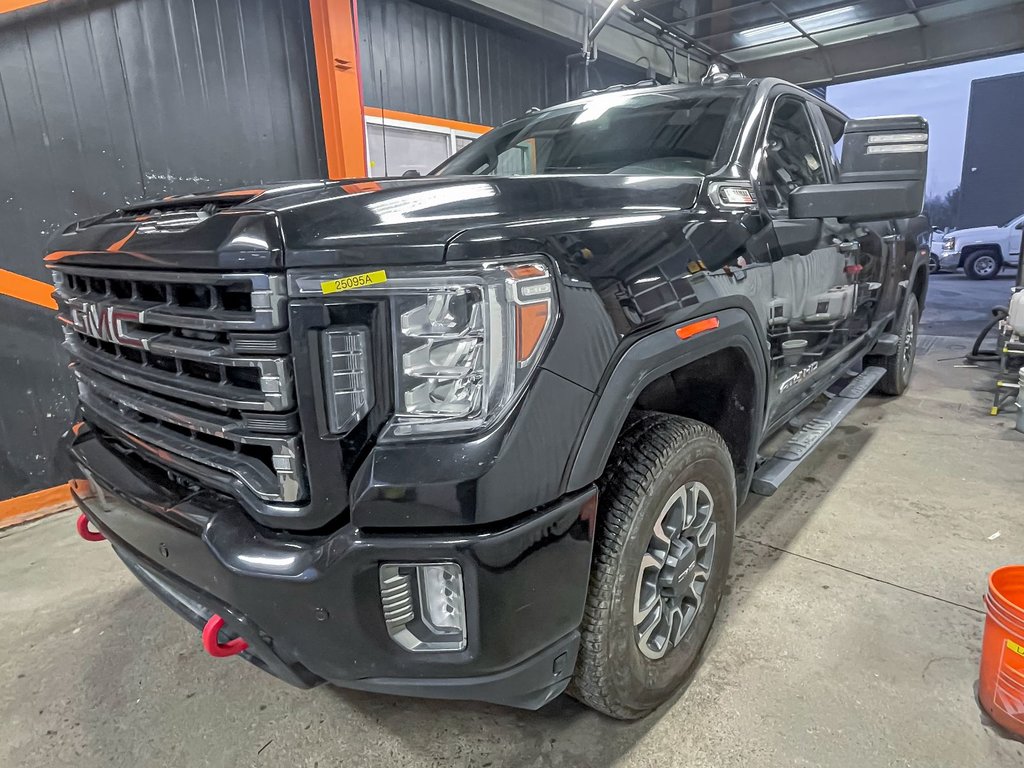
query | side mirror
(412,173)
(881,175)
(859,201)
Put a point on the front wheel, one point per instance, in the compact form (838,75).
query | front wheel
(934,265)
(983,265)
(667,517)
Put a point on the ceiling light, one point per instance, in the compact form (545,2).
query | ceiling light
(768,33)
(815,22)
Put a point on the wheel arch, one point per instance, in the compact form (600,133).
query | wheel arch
(661,369)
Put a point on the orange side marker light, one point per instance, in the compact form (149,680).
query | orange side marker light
(690,330)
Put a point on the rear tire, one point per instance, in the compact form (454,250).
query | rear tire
(899,367)
(668,477)
(983,265)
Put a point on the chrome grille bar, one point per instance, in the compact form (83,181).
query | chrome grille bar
(266,296)
(145,418)
(275,391)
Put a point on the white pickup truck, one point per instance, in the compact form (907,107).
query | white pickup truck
(983,251)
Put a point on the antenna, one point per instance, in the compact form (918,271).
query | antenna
(383,128)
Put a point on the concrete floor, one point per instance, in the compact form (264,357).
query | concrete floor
(850,635)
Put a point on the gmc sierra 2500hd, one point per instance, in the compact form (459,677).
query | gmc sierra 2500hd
(482,434)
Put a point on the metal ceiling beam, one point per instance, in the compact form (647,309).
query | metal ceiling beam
(566,21)
(910,8)
(677,37)
(789,19)
(996,32)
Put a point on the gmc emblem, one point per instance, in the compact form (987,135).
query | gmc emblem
(106,323)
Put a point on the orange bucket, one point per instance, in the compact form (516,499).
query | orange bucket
(1001,685)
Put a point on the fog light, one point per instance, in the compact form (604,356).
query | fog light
(424,605)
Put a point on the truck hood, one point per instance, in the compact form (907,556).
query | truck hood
(411,221)
(351,223)
(974,234)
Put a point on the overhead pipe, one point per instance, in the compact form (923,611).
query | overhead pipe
(676,37)
(589,53)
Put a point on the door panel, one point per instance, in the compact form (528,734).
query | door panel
(816,279)
(868,248)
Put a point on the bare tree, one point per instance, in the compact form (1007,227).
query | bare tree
(943,210)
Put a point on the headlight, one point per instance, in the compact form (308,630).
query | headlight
(465,341)
(949,243)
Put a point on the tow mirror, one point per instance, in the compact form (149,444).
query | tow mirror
(881,176)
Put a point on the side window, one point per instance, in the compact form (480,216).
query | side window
(792,155)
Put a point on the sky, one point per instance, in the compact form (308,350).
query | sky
(940,95)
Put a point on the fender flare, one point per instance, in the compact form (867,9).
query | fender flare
(919,266)
(650,358)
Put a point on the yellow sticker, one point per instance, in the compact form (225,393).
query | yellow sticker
(353,281)
(1015,647)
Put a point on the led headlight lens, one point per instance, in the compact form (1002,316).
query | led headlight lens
(465,346)
(465,341)
(441,344)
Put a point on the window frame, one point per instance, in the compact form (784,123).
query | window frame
(761,157)
(826,144)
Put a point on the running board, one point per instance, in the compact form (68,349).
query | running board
(773,472)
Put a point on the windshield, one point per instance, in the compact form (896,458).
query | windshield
(657,133)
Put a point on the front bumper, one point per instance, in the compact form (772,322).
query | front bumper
(949,259)
(309,606)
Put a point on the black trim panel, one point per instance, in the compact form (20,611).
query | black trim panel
(654,356)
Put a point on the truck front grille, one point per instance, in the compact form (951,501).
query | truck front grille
(192,370)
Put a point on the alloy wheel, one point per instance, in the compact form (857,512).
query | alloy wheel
(674,570)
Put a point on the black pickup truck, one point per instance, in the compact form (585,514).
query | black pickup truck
(482,434)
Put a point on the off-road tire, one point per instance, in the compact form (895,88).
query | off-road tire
(656,455)
(899,366)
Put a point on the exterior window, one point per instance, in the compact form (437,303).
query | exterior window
(410,146)
(408,149)
(792,156)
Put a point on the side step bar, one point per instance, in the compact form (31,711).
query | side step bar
(773,472)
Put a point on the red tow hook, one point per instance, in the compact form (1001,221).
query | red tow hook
(213,646)
(87,533)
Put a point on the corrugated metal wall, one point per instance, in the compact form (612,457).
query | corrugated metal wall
(103,103)
(436,63)
(992,180)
